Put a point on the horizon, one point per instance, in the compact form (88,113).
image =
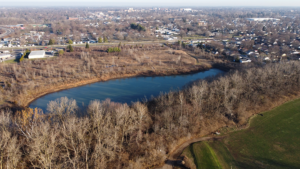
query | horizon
(148,3)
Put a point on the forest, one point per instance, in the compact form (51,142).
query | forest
(140,135)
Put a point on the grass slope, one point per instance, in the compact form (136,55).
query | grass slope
(271,141)
(203,156)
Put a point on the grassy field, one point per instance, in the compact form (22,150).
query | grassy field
(203,155)
(271,141)
(11,61)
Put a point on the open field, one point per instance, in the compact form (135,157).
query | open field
(11,61)
(271,141)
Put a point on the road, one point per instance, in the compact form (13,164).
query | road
(90,44)
(7,32)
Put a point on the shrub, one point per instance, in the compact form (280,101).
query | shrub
(137,27)
(70,48)
(100,40)
(115,49)
(60,52)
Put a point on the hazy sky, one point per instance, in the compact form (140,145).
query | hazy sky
(188,3)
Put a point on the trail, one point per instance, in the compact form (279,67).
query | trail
(172,160)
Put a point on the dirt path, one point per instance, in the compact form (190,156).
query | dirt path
(172,160)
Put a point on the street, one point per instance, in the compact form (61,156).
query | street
(7,32)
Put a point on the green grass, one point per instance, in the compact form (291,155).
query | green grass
(203,156)
(11,61)
(223,155)
(271,141)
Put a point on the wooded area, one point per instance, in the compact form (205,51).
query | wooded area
(113,135)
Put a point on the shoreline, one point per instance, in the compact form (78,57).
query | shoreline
(124,76)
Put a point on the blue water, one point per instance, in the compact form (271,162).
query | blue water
(124,90)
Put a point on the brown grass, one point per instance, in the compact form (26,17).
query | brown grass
(34,78)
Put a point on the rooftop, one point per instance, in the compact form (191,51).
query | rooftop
(38,52)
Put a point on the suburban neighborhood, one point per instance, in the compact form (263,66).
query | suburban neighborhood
(149,84)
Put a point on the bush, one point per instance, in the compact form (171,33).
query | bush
(60,52)
(115,49)
(105,40)
(70,48)
(51,42)
(137,27)
(22,57)
(100,40)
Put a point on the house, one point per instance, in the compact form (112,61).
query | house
(5,51)
(250,52)
(72,18)
(36,54)
(202,23)
(245,60)
(186,9)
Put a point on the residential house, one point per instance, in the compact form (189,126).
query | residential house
(245,60)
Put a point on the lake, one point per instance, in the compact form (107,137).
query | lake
(124,90)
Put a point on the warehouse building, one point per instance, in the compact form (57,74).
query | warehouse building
(36,54)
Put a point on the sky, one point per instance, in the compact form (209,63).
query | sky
(152,3)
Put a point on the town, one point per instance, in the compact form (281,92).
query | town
(139,85)
(248,37)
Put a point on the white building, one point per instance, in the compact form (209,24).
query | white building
(130,10)
(36,54)
(262,19)
(186,9)
(5,51)
(245,60)
(4,56)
